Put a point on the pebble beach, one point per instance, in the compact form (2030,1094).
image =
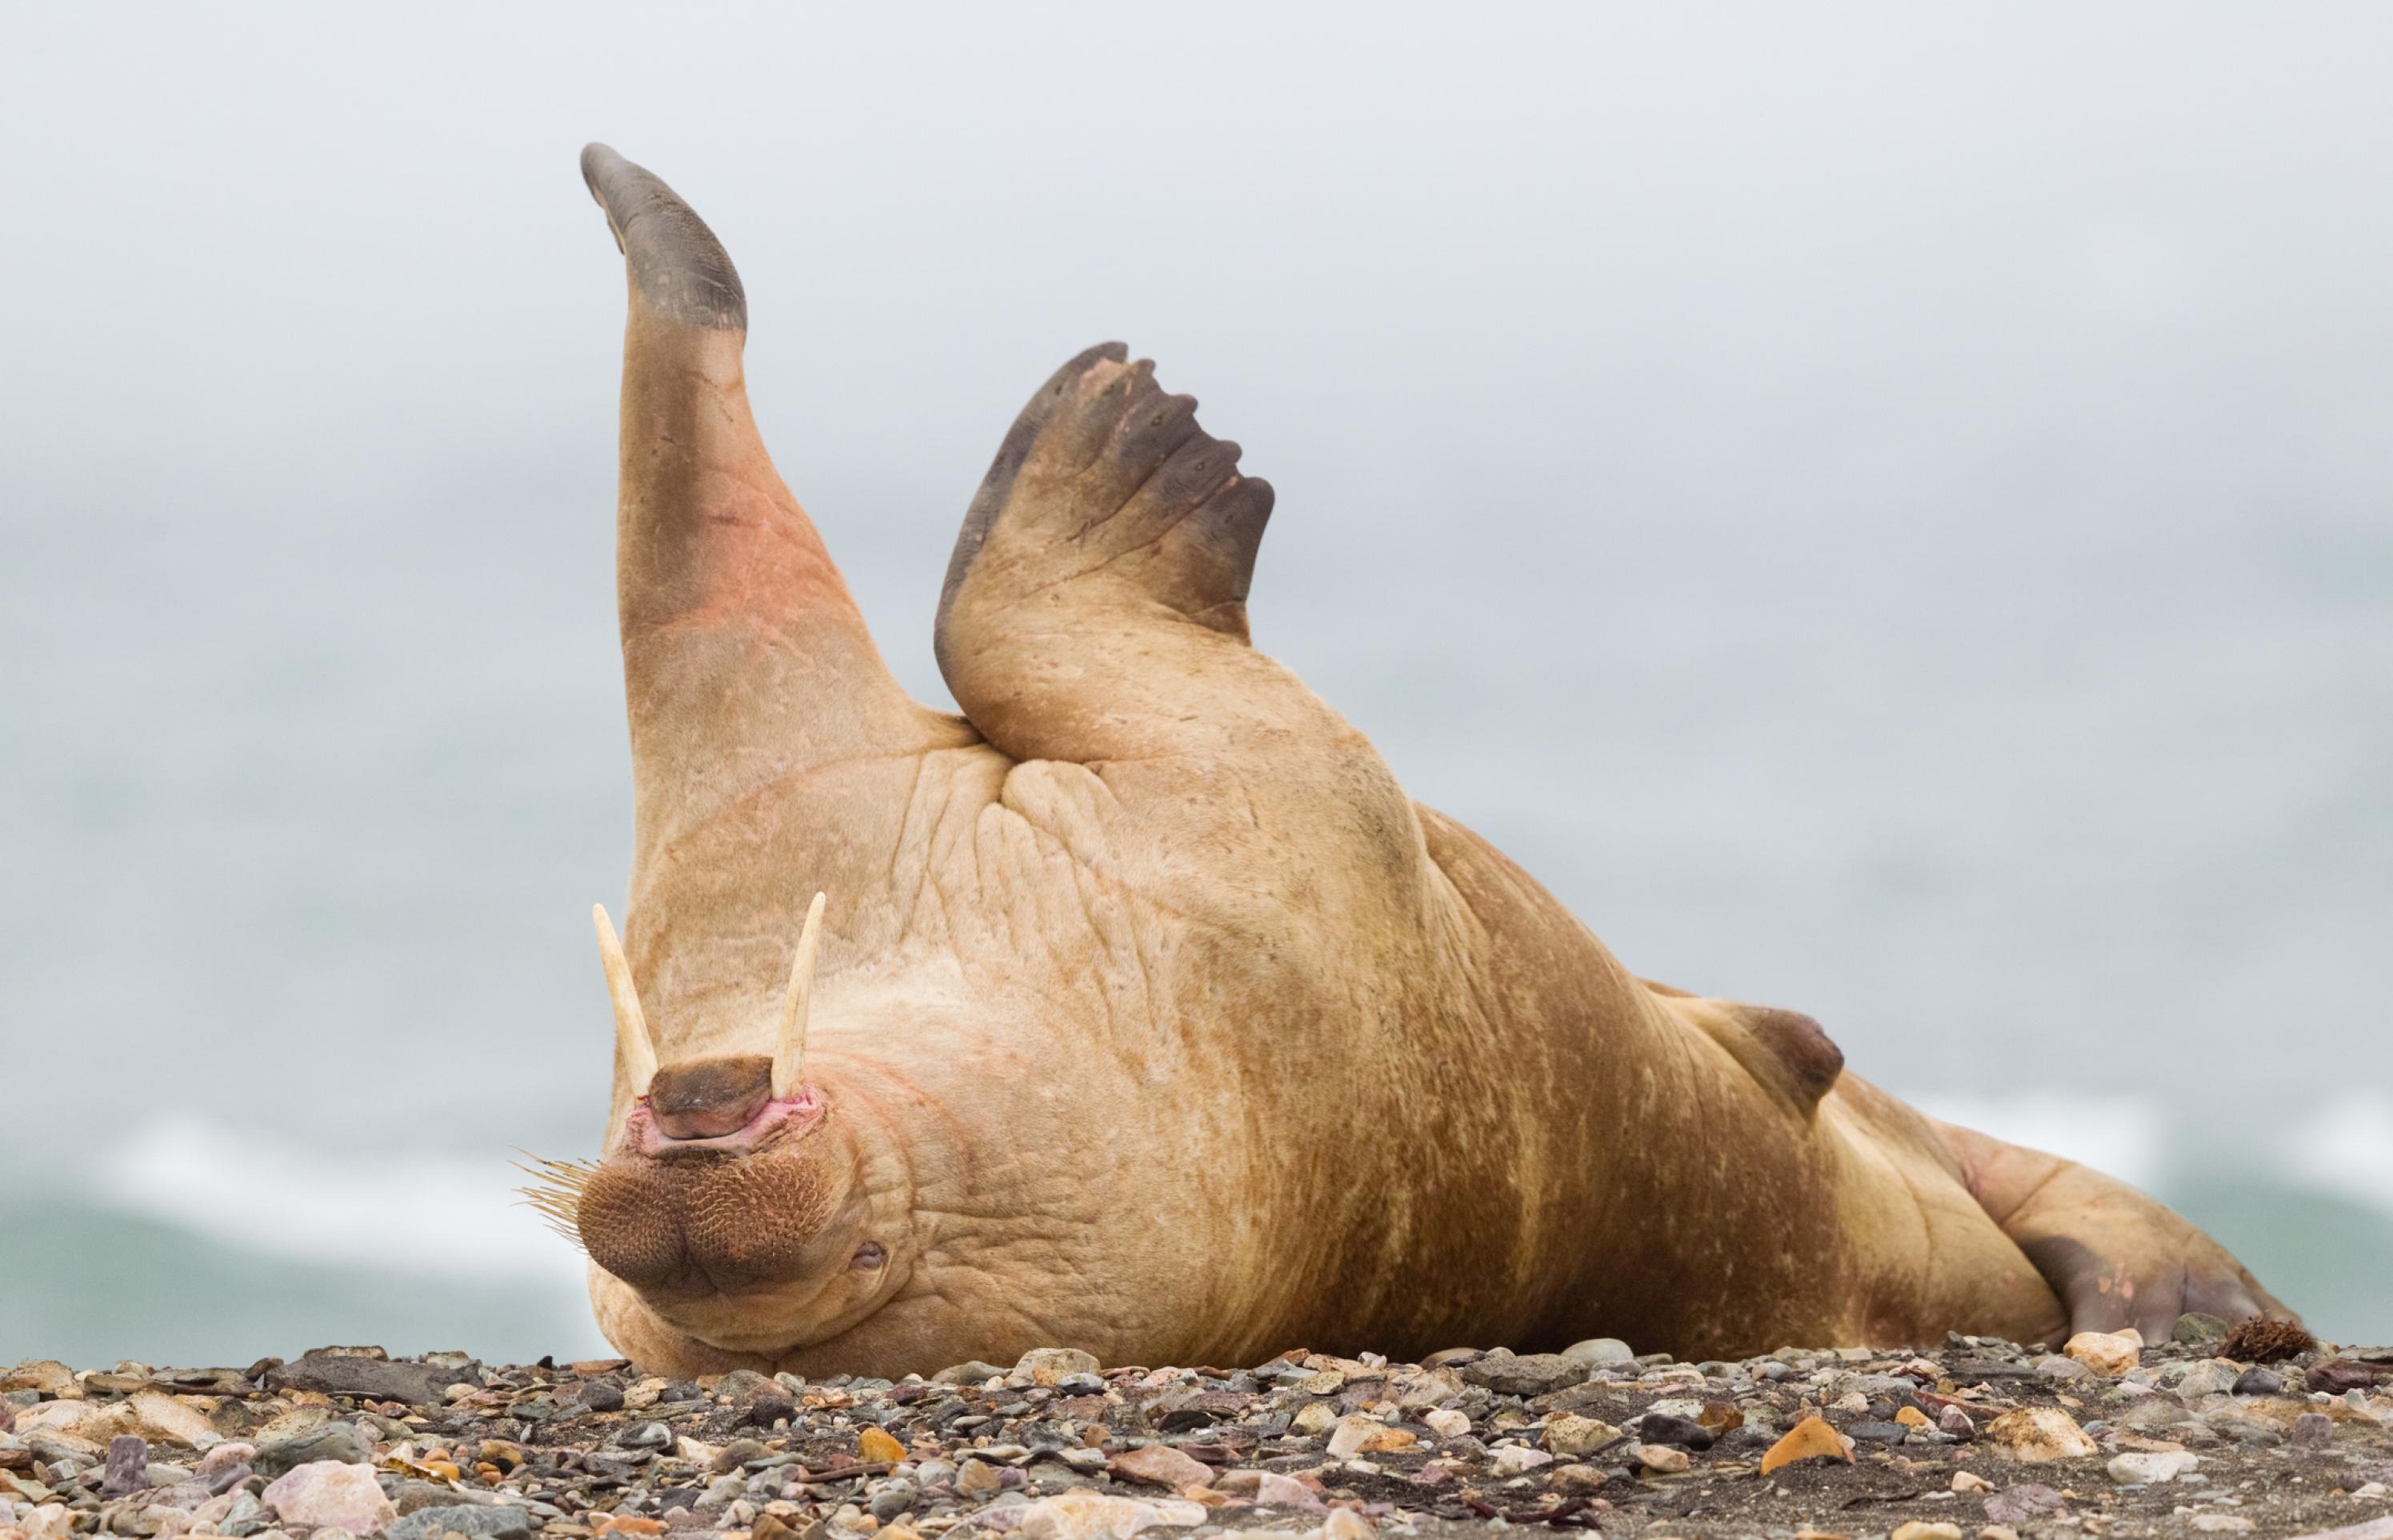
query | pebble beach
(2259,1431)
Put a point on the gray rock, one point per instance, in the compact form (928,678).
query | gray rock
(246,1516)
(2206,1377)
(416,1496)
(1879,1432)
(1876,1387)
(2229,1423)
(2259,1382)
(334,1441)
(128,1465)
(2337,1375)
(2028,1500)
(1052,1476)
(742,1386)
(599,1395)
(375,1378)
(1661,1427)
(2151,1414)
(2147,1467)
(2311,1430)
(223,1456)
(894,1499)
(483,1520)
(1527,1374)
(2195,1329)
(1046,1366)
(1597,1352)
(970,1372)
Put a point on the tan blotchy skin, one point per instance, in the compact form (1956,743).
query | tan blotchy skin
(1152,1017)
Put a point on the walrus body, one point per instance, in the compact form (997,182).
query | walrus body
(1151,1016)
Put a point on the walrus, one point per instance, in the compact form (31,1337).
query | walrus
(1137,1009)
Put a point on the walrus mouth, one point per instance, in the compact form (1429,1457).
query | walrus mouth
(656,1133)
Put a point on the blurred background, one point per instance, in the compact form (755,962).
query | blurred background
(1888,510)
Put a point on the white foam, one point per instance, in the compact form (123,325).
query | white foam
(2120,1136)
(445,1216)
(2347,1149)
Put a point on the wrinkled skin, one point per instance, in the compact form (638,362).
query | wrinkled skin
(1153,1017)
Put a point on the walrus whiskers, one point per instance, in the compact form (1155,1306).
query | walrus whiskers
(556,1190)
(790,1056)
(633,1046)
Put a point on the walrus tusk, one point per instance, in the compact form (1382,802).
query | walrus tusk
(633,1045)
(789,1058)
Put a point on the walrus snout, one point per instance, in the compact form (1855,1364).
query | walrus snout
(723,1213)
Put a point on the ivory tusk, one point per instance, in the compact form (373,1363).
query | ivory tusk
(635,1049)
(789,1057)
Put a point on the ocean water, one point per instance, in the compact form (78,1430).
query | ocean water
(1886,510)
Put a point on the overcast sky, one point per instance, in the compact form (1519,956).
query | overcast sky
(1520,274)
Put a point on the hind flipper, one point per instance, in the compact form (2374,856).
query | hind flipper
(1095,614)
(2114,1257)
(1096,600)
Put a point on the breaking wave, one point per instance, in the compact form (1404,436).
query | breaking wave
(443,1214)
(2346,1148)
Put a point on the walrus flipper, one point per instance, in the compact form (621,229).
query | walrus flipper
(1112,537)
(765,729)
(1787,1052)
(1107,483)
(681,270)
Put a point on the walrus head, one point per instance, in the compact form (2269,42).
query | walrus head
(729,1197)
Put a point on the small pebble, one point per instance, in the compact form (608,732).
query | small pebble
(1290,1445)
(2106,1354)
(1664,1459)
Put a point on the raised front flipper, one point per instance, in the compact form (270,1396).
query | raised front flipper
(772,751)
(1106,556)
(1094,612)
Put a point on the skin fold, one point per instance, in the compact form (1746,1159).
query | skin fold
(1151,1016)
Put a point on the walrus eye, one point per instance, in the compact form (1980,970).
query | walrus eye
(868,1256)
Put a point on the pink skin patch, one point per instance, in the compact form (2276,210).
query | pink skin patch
(792,1114)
